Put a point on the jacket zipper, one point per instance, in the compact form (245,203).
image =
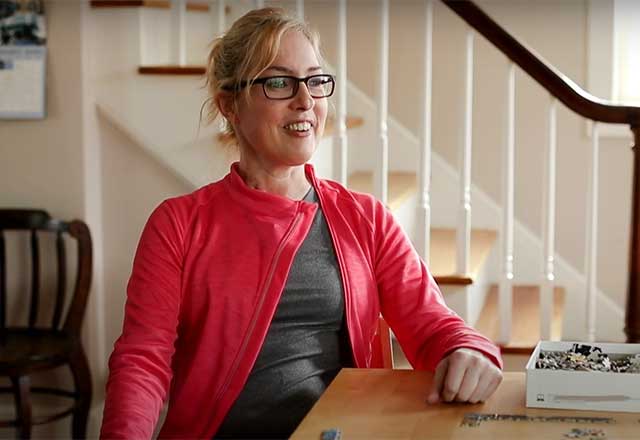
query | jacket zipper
(258,309)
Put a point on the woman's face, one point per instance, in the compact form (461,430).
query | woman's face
(283,133)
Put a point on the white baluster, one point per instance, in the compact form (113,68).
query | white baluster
(179,31)
(592,235)
(548,231)
(340,134)
(300,9)
(505,297)
(464,223)
(221,16)
(381,169)
(424,203)
(142,40)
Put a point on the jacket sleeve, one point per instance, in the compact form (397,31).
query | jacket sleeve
(140,365)
(412,303)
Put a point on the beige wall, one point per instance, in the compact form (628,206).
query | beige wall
(41,161)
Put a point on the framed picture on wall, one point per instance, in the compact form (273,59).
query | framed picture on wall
(23,53)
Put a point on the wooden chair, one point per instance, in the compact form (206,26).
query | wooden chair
(382,351)
(29,346)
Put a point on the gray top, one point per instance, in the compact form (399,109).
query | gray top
(304,349)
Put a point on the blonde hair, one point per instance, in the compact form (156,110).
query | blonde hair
(244,52)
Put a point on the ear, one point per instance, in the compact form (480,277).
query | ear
(225,103)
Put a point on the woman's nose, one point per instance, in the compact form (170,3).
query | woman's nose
(303,99)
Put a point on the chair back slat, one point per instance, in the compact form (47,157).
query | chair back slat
(22,219)
(3,282)
(62,280)
(75,315)
(35,279)
(42,227)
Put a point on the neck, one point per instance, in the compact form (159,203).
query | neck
(289,181)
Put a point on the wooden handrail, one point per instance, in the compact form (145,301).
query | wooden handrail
(559,85)
(584,104)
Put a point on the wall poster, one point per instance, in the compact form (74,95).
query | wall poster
(23,52)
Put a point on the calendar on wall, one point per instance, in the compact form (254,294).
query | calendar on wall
(23,55)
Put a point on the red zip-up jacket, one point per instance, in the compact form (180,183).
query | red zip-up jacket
(207,278)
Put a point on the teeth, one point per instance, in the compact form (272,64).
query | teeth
(299,126)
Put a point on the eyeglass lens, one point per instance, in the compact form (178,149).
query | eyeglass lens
(283,87)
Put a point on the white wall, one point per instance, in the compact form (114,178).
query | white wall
(41,160)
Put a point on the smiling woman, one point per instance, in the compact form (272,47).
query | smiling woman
(249,295)
(276,129)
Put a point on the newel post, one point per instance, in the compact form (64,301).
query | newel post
(632,324)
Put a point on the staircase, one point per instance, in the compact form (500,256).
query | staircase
(134,98)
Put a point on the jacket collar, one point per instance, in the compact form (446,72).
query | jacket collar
(262,202)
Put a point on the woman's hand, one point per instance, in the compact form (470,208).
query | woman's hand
(465,375)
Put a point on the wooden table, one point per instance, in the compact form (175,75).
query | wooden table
(390,404)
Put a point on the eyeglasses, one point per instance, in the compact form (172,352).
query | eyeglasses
(286,87)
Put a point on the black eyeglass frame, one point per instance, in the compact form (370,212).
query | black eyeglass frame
(242,84)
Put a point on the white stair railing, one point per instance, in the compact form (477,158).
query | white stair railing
(220,16)
(340,129)
(592,234)
(142,40)
(505,292)
(464,223)
(300,9)
(424,201)
(382,168)
(548,231)
(179,30)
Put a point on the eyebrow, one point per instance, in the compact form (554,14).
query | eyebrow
(289,71)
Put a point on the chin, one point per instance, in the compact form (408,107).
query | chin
(300,159)
(295,160)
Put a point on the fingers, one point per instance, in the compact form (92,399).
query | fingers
(438,380)
(493,384)
(487,385)
(481,392)
(464,376)
(453,378)
(469,384)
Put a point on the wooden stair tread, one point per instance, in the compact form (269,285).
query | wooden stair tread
(401,185)
(172,70)
(525,320)
(160,4)
(351,122)
(442,251)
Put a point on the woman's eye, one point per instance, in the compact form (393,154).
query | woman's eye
(277,83)
(319,82)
